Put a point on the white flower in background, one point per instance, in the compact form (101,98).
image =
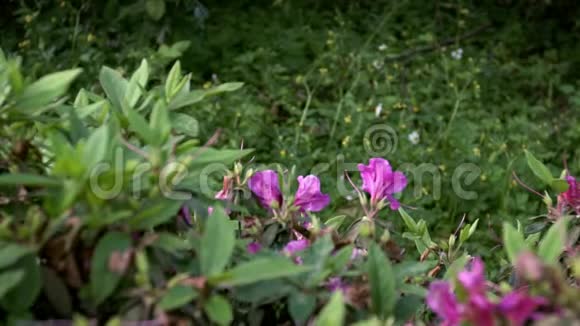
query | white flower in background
(378,110)
(414,137)
(382,47)
(378,64)
(457,54)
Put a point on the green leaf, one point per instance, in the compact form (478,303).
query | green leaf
(173,80)
(413,268)
(217,243)
(139,125)
(21,179)
(96,148)
(456,266)
(136,84)
(171,243)
(56,292)
(187,99)
(177,296)
(24,293)
(382,282)
(560,185)
(155,214)
(539,169)
(261,269)
(334,312)
(219,310)
(160,123)
(335,222)
(409,222)
(11,253)
(513,241)
(9,279)
(155,8)
(114,86)
(203,156)
(185,124)
(47,89)
(104,281)
(301,306)
(553,243)
(407,306)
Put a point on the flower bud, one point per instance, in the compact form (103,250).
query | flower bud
(386,236)
(529,267)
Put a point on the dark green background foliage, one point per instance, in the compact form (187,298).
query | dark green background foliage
(314,73)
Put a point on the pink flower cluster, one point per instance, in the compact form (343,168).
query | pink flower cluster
(517,307)
(381,182)
(308,198)
(571,197)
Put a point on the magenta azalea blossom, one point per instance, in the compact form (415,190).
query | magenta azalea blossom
(443,302)
(253,247)
(308,196)
(473,279)
(381,182)
(336,283)
(296,245)
(264,185)
(572,195)
(518,307)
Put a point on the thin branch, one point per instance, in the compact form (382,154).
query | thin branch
(428,48)
(521,183)
(134,148)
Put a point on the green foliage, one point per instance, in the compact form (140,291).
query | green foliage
(111,154)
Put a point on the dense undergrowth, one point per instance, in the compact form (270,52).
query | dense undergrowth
(189,102)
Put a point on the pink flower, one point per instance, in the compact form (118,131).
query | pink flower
(253,247)
(381,182)
(571,197)
(518,307)
(443,302)
(296,245)
(308,196)
(473,279)
(478,309)
(336,283)
(185,214)
(264,185)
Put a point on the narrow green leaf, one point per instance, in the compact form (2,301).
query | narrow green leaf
(539,169)
(177,296)
(334,312)
(335,222)
(409,222)
(173,80)
(47,89)
(56,292)
(136,84)
(196,96)
(217,243)
(139,125)
(513,241)
(104,281)
(219,310)
(382,282)
(155,214)
(553,243)
(96,147)
(21,179)
(261,269)
(159,123)
(114,86)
